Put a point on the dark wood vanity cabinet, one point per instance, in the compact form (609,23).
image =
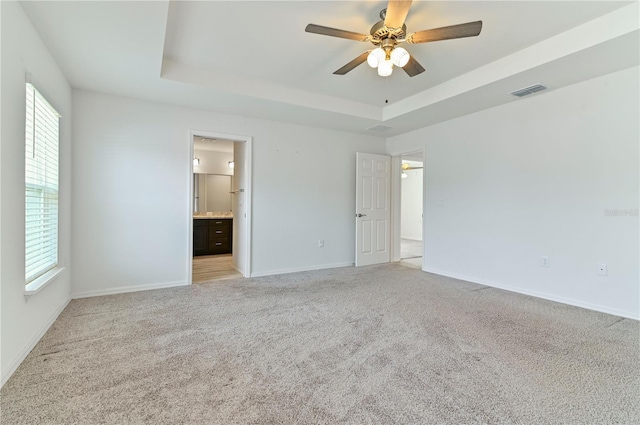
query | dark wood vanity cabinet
(212,236)
(200,237)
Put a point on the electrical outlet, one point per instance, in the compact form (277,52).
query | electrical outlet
(602,269)
(321,243)
(545,261)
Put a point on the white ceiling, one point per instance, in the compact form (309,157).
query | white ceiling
(413,158)
(212,145)
(253,57)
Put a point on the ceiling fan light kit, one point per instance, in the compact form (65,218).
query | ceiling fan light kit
(376,56)
(385,57)
(385,68)
(388,33)
(400,57)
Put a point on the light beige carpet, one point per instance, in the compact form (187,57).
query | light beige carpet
(381,344)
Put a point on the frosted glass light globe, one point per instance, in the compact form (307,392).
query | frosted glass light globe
(385,68)
(400,57)
(376,56)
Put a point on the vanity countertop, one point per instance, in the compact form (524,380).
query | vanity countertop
(213,216)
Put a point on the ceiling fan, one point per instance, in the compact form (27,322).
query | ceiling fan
(391,31)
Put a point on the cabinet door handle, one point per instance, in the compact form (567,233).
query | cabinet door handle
(218,231)
(218,222)
(218,243)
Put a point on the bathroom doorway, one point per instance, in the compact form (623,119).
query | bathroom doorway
(411,210)
(219,208)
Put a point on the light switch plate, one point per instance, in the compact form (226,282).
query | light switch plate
(439,202)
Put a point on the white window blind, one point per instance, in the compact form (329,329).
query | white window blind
(41,186)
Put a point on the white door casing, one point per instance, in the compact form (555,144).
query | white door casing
(373,215)
(242,222)
(239,183)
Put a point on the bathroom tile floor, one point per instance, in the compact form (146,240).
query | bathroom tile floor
(207,268)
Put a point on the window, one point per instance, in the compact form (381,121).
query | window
(41,186)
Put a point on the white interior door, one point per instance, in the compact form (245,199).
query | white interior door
(373,187)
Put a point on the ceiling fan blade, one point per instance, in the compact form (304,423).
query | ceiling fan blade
(413,68)
(332,32)
(397,11)
(470,29)
(357,61)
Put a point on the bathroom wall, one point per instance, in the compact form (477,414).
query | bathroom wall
(212,162)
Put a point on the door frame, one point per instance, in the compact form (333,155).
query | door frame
(396,202)
(248,167)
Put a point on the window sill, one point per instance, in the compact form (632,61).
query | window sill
(40,283)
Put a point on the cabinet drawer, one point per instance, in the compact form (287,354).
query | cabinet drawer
(219,245)
(219,232)
(219,223)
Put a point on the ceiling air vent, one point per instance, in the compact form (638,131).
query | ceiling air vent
(529,90)
(379,128)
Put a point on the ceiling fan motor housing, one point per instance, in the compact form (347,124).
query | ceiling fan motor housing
(380,32)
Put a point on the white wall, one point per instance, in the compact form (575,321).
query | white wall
(411,205)
(534,177)
(25,321)
(303,190)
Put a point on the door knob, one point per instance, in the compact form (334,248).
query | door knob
(361,215)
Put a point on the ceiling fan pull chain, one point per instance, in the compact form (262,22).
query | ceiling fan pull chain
(386,89)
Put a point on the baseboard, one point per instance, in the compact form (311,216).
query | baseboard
(17,361)
(237,269)
(543,295)
(126,289)
(411,239)
(300,269)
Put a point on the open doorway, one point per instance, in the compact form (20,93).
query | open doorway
(411,210)
(219,207)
